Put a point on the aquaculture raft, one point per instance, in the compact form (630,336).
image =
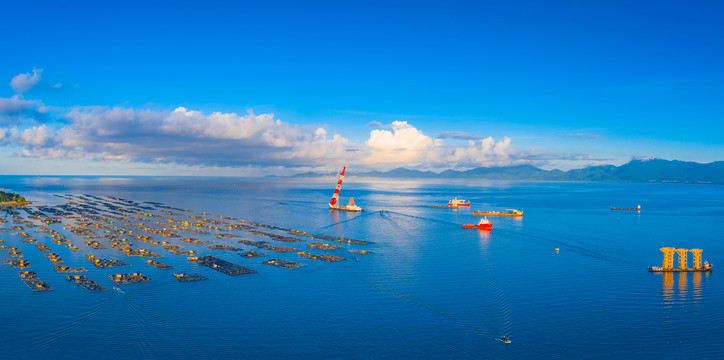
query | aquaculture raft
(30,278)
(158,264)
(283,263)
(128,278)
(67,269)
(86,283)
(325,257)
(221,265)
(189,277)
(251,254)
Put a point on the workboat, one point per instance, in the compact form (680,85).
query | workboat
(638,208)
(510,212)
(334,203)
(484,224)
(457,202)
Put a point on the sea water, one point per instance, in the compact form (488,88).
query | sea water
(429,290)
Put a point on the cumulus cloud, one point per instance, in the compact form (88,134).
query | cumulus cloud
(14,105)
(24,82)
(182,136)
(403,144)
(406,145)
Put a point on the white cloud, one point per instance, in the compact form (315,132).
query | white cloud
(24,82)
(190,137)
(34,136)
(14,105)
(406,145)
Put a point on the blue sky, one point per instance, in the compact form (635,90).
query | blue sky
(554,84)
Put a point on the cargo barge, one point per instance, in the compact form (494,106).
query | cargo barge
(510,212)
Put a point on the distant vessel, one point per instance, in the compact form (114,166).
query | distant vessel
(511,212)
(334,203)
(638,208)
(457,202)
(484,224)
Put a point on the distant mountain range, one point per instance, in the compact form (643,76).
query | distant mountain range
(655,170)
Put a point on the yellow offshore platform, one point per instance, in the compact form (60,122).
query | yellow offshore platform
(668,263)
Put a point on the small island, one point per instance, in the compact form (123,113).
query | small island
(7,198)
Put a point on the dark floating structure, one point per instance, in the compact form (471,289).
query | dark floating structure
(195,241)
(325,257)
(67,269)
(183,277)
(224,247)
(221,265)
(18,263)
(158,264)
(361,252)
(322,246)
(103,263)
(86,283)
(43,247)
(340,239)
(128,278)
(283,263)
(251,254)
(30,278)
(54,258)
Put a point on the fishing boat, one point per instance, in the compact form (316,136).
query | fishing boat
(334,203)
(510,212)
(638,208)
(457,202)
(484,224)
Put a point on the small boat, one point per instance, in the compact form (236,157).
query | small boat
(505,340)
(511,212)
(458,202)
(334,203)
(638,208)
(484,224)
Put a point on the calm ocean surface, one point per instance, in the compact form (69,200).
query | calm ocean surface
(429,290)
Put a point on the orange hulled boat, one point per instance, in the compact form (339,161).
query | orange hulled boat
(484,224)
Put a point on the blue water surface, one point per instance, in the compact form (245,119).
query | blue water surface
(429,290)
